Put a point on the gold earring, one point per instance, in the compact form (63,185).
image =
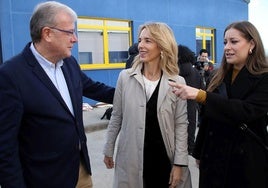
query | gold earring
(161,55)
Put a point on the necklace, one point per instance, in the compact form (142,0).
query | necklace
(152,73)
(152,77)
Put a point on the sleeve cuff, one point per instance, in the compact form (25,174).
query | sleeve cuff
(201,96)
(180,165)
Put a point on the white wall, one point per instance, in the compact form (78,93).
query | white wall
(258,15)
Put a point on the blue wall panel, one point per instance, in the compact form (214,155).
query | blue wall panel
(181,15)
(21,32)
(6,31)
(108,76)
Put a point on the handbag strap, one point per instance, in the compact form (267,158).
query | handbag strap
(247,130)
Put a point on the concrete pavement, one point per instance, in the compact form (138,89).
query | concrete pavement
(92,119)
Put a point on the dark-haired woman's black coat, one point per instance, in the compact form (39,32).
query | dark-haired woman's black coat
(229,158)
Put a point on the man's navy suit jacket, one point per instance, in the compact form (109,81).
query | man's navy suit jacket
(41,142)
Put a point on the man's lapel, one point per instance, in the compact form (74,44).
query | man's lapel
(41,75)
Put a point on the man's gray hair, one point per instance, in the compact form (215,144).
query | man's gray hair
(44,15)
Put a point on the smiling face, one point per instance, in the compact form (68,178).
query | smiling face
(236,48)
(148,48)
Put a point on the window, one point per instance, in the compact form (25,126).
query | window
(205,40)
(103,43)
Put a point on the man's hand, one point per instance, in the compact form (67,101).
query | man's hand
(109,162)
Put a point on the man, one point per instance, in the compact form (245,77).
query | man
(203,61)
(203,65)
(42,139)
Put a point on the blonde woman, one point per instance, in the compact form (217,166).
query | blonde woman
(151,120)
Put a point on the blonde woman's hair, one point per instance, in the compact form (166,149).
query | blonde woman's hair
(163,35)
(255,63)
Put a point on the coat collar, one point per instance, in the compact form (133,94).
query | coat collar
(43,77)
(242,85)
(163,88)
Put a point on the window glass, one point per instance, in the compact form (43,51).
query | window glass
(90,42)
(118,43)
(103,43)
(117,23)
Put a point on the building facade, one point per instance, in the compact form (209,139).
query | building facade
(107,28)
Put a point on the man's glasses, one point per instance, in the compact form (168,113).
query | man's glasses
(69,32)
